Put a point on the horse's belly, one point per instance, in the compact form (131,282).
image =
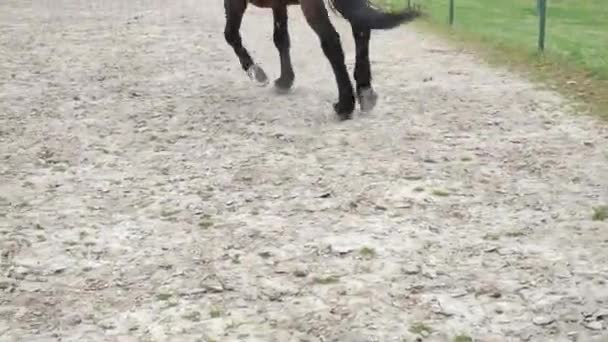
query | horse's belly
(268,3)
(262,3)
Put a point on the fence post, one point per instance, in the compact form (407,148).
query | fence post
(451,19)
(542,8)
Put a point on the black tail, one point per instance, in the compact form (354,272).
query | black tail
(361,13)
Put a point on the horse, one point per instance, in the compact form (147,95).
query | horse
(363,18)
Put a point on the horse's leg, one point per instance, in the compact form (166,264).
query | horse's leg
(363,74)
(318,19)
(281,41)
(235,9)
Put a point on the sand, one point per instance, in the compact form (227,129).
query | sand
(150,192)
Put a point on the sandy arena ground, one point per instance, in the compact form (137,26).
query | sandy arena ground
(150,192)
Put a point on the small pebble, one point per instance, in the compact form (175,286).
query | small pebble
(107,325)
(411,269)
(341,249)
(460,293)
(573,335)
(7,283)
(601,314)
(20,272)
(73,320)
(542,320)
(495,294)
(353,337)
(212,286)
(429,273)
(593,325)
(300,273)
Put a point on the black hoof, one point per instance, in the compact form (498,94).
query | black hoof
(283,85)
(367,99)
(344,109)
(257,74)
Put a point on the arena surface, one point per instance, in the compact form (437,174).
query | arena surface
(150,192)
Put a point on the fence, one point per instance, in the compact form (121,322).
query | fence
(541,11)
(573,31)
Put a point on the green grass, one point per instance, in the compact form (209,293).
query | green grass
(441,193)
(164,296)
(420,328)
(367,252)
(600,213)
(215,313)
(576,45)
(463,338)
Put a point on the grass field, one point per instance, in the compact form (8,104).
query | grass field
(576,46)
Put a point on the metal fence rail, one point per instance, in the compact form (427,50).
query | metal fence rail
(541,12)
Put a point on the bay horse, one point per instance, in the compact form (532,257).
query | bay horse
(363,18)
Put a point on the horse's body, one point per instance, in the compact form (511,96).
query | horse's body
(363,19)
(269,3)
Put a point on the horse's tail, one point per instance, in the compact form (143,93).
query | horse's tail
(361,13)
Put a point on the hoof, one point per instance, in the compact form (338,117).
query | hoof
(344,110)
(367,99)
(282,85)
(257,74)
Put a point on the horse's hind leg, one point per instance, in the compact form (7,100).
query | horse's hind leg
(318,19)
(282,42)
(363,74)
(235,9)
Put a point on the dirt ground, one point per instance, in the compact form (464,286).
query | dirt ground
(150,192)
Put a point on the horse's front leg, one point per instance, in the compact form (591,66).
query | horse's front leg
(235,9)
(363,74)
(282,42)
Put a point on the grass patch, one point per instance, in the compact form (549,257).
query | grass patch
(600,213)
(515,233)
(420,329)
(164,296)
(462,338)
(506,32)
(441,193)
(367,252)
(215,313)
(418,189)
(205,223)
(326,280)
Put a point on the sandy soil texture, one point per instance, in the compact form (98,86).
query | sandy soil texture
(150,192)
